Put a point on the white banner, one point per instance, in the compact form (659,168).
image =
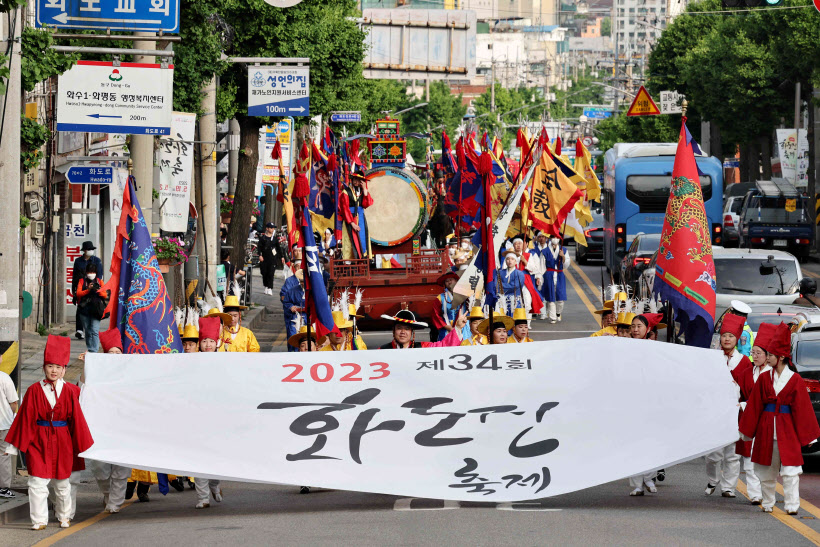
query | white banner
(176,163)
(486,423)
(793,149)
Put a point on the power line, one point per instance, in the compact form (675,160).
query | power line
(773,8)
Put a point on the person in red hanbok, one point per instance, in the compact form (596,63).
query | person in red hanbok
(723,465)
(353,200)
(747,380)
(209,331)
(780,418)
(51,430)
(443,313)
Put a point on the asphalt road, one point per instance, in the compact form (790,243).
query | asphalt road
(256,514)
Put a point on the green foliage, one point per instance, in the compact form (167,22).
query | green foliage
(24,222)
(39,62)
(526,102)
(637,129)
(8,5)
(443,108)
(154,194)
(32,137)
(42,330)
(606,26)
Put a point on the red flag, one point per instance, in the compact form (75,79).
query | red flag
(558,145)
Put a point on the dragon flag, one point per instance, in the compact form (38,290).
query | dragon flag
(316,302)
(142,309)
(685,269)
(554,195)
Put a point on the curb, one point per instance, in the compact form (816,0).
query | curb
(14,510)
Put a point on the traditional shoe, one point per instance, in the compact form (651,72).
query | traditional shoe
(728,494)
(38,527)
(637,492)
(304,490)
(651,488)
(129,489)
(710,488)
(661,475)
(203,505)
(65,523)
(177,484)
(142,492)
(112,510)
(791,512)
(757,501)
(767,509)
(217,494)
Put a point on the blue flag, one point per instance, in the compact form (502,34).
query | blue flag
(318,307)
(140,306)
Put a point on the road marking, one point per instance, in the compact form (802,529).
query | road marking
(64,533)
(524,507)
(805,531)
(589,282)
(403,504)
(810,273)
(581,294)
(281,340)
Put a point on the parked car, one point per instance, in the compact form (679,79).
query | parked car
(646,281)
(594,234)
(774,314)
(755,276)
(806,358)
(638,256)
(731,220)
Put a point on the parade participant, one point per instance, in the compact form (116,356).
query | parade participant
(353,200)
(608,318)
(723,465)
(8,408)
(623,324)
(746,340)
(466,246)
(77,274)
(497,331)
(301,340)
(237,337)
(513,281)
(521,327)
(645,324)
(748,380)
(190,332)
(474,321)
(443,313)
(343,341)
(51,430)
(292,295)
(268,248)
(780,418)
(225,320)
(328,247)
(209,333)
(540,250)
(111,478)
(91,302)
(405,327)
(534,273)
(556,259)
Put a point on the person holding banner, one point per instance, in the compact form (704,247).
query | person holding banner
(405,327)
(354,199)
(343,341)
(51,430)
(237,337)
(292,295)
(302,341)
(556,259)
(443,313)
(497,331)
(780,418)
(476,337)
(521,327)
(209,333)
(540,251)
(607,321)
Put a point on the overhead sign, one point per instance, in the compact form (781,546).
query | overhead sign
(597,113)
(350,117)
(132,15)
(671,102)
(133,98)
(279,91)
(643,105)
(478,423)
(90,175)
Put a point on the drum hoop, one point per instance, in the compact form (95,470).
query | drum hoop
(398,173)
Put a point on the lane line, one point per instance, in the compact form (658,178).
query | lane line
(581,294)
(805,505)
(592,286)
(805,531)
(65,532)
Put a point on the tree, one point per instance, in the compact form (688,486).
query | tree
(637,129)
(606,26)
(443,109)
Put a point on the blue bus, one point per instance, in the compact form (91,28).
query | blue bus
(637,181)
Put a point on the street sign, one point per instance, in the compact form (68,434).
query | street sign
(597,113)
(279,91)
(131,15)
(350,117)
(132,98)
(643,105)
(90,175)
(670,102)
(587,141)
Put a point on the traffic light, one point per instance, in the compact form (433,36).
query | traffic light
(729,4)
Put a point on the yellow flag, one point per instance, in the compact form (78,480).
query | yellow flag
(583,164)
(554,196)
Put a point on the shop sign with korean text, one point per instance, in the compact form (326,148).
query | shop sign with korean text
(278,91)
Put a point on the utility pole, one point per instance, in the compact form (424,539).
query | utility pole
(142,148)
(233,154)
(615,65)
(492,87)
(10,289)
(209,246)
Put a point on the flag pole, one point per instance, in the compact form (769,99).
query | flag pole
(305,275)
(521,169)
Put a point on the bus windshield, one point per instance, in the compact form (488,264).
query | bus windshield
(651,192)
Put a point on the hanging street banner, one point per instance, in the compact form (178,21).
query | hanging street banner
(90,175)
(643,105)
(283,131)
(132,98)
(176,163)
(477,423)
(278,91)
(130,15)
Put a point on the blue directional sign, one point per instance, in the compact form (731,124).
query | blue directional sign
(279,91)
(131,15)
(597,113)
(90,175)
(346,117)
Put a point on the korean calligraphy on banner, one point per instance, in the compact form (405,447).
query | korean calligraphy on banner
(176,161)
(553,196)
(483,423)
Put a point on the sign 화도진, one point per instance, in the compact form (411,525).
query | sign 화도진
(643,105)
(132,15)
(279,91)
(346,117)
(133,98)
(90,175)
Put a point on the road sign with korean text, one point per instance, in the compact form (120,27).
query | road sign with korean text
(132,15)
(597,113)
(278,91)
(346,117)
(132,98)
(670,102)
(643,105)
(90,175)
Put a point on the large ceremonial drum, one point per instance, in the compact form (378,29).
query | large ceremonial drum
(399,210)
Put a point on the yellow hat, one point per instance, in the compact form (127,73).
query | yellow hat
(214,312)
(520,314)
(608,306)
(620,297)
(476,313)
(297,338)
(340,321)
(232,301)
(625,319)
(351,311)
(190,332)
(484,327)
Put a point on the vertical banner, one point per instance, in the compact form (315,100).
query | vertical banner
(283,132)
(176,162)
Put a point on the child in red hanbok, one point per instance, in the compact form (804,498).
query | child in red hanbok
(780,418)
(51,429)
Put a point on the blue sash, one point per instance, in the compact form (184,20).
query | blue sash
(55,423)
(771,407)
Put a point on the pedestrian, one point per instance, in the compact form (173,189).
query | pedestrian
(556,259)
(476,338)
(780,418)
(8,408)
(267,249)
(443,312)
(77,274)
(749,377)
(209,334)
(498,329)
(237,337)
(405,326)
(521,327)
(292,295)
(723,465)
(51,430)
(92,300)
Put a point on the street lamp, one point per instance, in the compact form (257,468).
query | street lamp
(615,88)
(409,109)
